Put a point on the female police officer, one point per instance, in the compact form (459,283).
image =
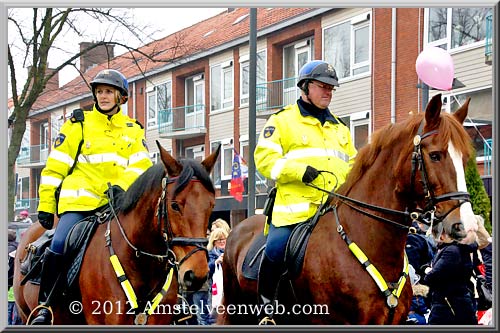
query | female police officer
(92,149)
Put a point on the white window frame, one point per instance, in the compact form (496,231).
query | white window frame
(245,63)
(152,122)
(356,23)
(226,102)
(446,41)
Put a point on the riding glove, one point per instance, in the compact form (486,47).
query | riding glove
(46,220)
(310,174)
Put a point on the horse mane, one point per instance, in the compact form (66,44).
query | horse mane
(150,181)
(387,136)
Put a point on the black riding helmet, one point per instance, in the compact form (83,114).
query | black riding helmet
(320,71)
(112,78)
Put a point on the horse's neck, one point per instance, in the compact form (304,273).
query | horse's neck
(377,187)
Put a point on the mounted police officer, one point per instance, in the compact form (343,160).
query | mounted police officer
(92,149)
(294,145)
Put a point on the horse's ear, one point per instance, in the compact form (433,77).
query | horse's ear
(461,113)
(433,112)
(209,162)
(173,167)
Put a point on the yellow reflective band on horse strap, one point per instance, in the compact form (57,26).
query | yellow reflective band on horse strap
(162,292)
(402,279)
(372,270)
(126,286)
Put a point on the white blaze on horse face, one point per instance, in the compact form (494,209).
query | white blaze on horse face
(466,213)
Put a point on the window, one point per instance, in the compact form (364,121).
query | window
(294,57)
(44,135)
(23,191)
(245,77)
(451,28)
(196,152)
(160,99)
(347,46)
(56,123)
(479,118)
(221,86)
(223,166)
(359,125)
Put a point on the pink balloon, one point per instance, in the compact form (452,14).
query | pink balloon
(435,67)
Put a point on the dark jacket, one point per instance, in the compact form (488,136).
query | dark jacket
(213,254)
(419,251)
(450,289)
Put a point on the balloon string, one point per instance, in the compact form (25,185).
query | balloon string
(473,124)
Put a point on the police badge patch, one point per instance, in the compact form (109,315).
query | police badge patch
(268,131)
(59,140)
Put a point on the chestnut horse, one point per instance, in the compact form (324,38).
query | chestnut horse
(355,268)
(156,239)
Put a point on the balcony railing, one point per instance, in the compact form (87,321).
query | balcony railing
(488,49)
(487,156)
(182,121)
(274,95)
(33,155)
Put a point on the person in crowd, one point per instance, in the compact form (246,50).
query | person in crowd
(303,144)
(221,223)
(420,249)
(449,280)
(24,216)
(92,149)
(216,246)
(13,317)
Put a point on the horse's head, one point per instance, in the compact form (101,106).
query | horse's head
(184,208)
(441,149)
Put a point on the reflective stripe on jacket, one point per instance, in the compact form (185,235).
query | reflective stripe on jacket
(114,150)
(289,143)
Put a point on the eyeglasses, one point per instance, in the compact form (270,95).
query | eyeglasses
(221,240)
(323,86)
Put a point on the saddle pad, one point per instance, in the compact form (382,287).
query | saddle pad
(76,245)
(296,247)
(253,258)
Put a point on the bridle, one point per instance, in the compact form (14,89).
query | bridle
(200,243)
(426,214)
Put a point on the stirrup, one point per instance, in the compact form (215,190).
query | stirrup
(267,321)
(37,309)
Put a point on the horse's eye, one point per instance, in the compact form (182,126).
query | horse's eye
(435,156)
(175,206)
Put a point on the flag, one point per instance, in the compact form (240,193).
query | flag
(237,187)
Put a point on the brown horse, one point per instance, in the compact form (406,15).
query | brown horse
(156,239)
(416,166)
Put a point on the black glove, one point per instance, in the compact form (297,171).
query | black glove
(113,193)
(310,174)
(46,220)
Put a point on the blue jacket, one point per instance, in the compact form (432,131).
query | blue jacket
(450,289)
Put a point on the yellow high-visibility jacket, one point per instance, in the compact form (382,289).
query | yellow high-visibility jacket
(114,150)
(289,143)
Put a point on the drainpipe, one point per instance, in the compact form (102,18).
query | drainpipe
(393,68)
(135,101)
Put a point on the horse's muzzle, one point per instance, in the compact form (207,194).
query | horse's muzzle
(191,282)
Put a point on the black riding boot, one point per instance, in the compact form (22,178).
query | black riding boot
(51,272)
(269,276)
